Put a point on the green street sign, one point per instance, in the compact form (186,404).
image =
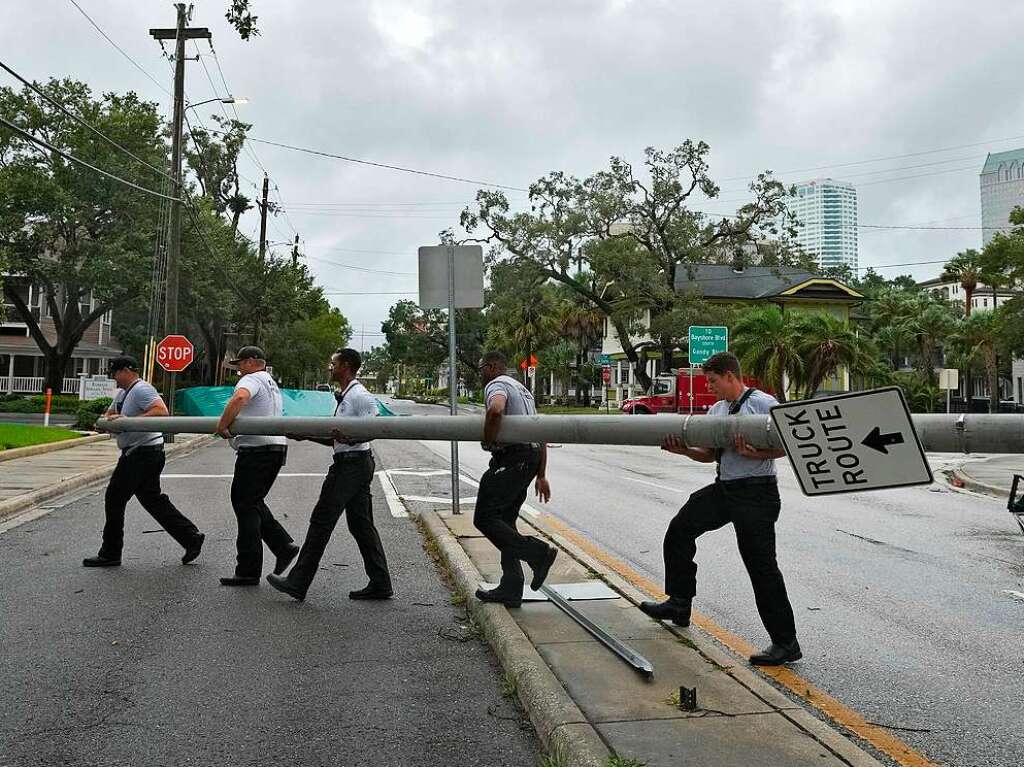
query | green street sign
(604,359)
(706,341)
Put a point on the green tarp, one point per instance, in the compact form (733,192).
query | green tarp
(210,401)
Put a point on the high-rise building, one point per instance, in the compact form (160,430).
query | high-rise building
(827,213)
(1002,189)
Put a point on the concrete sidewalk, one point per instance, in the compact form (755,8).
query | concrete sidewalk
(600,707)
(30,480)
(992,476)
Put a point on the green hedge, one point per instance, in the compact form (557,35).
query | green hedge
(89,411)
(36,403)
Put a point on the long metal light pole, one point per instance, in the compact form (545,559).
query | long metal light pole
(453,389)
(963,433)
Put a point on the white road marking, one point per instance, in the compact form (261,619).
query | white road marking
(391,495)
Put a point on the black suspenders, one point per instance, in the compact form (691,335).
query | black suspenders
(734,408)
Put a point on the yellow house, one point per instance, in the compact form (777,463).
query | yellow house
(790,288)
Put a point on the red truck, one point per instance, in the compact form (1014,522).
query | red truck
(671,394)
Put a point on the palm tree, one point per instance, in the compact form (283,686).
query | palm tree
(894,339)
(967,268)
(583,325)
(979,337)
(929,325)
(525,322)
(764,339)
(827,344)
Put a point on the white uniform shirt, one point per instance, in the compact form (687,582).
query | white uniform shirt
(736,466)
(265,400)
(134,401)
(355,401)
(518,399)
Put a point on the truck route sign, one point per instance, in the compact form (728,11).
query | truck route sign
(852,442)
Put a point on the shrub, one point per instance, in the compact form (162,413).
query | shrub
(89,411)
(36,403)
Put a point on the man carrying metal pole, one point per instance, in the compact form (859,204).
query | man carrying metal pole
(745,493)
(258,463)
(504,485)
(138,471)
(346,489)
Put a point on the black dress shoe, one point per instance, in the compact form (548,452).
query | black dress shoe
(286,558)
(501,597)
(777,654)
(101,561)
(540,572)
(675,610)
(193,551)
(282,585)
(240,580)
(372,592)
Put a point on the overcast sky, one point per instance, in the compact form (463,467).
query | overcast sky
(505,92)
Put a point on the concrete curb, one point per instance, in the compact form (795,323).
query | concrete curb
(826,734)
(49,447)
(564,731)
(979,487)
(20,503)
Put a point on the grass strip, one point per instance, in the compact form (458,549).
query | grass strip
(19,435)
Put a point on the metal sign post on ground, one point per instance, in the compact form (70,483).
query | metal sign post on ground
(452,277)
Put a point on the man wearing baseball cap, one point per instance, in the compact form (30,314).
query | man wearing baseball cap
(138,471)
(257,465)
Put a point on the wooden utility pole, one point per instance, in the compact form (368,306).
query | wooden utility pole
(179,34)
(263,219)
(295,251)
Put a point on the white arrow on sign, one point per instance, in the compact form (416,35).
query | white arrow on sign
(852,442)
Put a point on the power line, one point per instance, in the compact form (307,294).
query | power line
(884,159)
(120,49)
(81,121)
(360,268)
(402,169)
(71,158)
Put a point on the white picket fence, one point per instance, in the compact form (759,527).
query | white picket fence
(34,385)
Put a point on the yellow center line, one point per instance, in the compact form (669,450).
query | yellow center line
(839,713)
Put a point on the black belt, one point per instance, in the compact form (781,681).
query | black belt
(768,479)
(351,455)
(515,450)
(143,449)
(264,449)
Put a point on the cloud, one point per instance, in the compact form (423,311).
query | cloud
(509,91)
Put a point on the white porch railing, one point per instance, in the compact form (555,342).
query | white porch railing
(34,385)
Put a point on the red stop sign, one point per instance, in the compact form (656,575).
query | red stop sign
(606,374)
(174,353)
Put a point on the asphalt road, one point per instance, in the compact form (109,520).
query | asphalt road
(156,664)
(909,603)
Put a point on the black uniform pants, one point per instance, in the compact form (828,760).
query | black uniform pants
(346,489)
(138,473)
(255,472)
(753,510)
(501,494)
